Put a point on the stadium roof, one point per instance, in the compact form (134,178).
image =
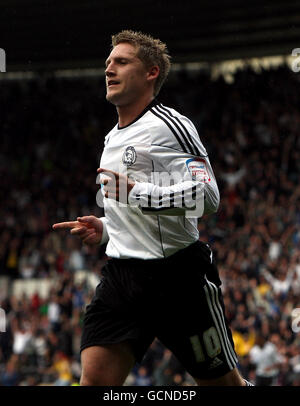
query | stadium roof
(53,34)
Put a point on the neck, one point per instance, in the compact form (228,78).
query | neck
(130,112)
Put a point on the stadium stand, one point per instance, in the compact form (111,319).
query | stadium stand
(51,127)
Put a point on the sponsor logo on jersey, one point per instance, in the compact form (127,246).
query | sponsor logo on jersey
(129,156)
(198,169)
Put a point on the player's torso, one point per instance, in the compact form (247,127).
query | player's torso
(132,234)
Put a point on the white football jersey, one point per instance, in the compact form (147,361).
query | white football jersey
(160,150)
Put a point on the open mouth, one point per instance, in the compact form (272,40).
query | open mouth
(112,83)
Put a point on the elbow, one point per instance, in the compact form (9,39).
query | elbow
(211,202)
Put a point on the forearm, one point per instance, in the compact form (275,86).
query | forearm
(175,199)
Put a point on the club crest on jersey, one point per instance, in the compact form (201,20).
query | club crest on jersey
(198,169)
(129,156)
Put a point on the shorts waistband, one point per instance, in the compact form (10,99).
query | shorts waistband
(194,247)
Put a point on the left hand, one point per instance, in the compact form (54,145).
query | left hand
(116,185)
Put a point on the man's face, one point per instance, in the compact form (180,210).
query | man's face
(126,75)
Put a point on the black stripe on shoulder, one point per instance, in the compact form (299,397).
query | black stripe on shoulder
(163,118)
(182,126)
(173,120)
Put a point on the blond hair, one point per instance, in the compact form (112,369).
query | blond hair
(150,51)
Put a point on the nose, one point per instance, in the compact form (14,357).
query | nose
(109,70)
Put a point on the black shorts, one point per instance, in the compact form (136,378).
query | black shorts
(177,299)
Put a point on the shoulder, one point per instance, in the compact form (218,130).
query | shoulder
(168,118)
(171,129)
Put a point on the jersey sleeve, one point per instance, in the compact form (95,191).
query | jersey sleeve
(105,236)
(182,180)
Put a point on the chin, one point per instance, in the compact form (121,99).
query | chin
(112,98)
(117,100)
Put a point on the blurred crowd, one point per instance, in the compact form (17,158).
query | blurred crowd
(52,132)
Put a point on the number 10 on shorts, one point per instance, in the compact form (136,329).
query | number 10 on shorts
(2,321)
(211,342)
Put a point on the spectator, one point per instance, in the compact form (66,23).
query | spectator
(54,311)
(267,360)
(282,283)
(21,336)
(61,367)
(10,376)
(143,377)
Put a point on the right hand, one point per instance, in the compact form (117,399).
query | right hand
(88,228)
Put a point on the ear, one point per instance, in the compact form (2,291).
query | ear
(153,73)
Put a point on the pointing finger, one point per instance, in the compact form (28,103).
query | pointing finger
(64,225)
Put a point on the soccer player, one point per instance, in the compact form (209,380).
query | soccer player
(161,280)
